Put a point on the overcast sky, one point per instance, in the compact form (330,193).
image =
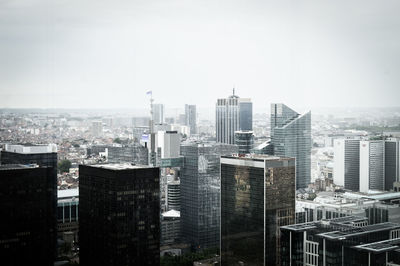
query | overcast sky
(107,54)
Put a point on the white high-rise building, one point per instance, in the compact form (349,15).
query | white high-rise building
(169,142)
(372,165)
(346,170)
(232,114)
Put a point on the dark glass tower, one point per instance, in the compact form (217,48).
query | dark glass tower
(28,216)
(257,197)
(119,215)
(200,192)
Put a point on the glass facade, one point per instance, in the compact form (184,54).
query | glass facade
(257,197)
(200,192)
(119,216)
(291,137)
(28,217)
(245,141)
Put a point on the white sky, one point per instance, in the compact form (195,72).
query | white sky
(107,54)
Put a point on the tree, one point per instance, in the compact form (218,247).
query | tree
(117,140)
(63,166)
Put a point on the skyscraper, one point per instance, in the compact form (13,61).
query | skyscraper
(392,162)
(347,163)
(245,114)
(291,137)
(119,212)
(200,192)
(28,224)
(257,197)
(190,118)
(158,113)
(372,165)
(232,114)
(43,156)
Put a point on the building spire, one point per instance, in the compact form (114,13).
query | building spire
(233,91)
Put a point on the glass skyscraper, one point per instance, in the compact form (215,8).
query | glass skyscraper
(257,197)
(291,137)
(119,215)
(200,192)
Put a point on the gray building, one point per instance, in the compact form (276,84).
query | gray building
(232,114)
(173,195)
(392,163)
(372,165)
(257,197)
(134,153)
(158,113)
(347,163)
(245,114)
(291,137)
(341,241)
(200,192)
(190,118)
(245,141)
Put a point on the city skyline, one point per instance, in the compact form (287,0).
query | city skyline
(59,55)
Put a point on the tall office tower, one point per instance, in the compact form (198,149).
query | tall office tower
(190,118)
(169,142)
(392,162)
(158,113)
(44,156)
(97,128)
(119,215)
(291,137)
(347,163)
(28,196)
(232,114)
(134,153)
(372,165)
(245,141)
(257,197)
(174,195)
(245,114)
(200,192)
(342,241)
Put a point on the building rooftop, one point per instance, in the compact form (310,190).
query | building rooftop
(341,235)
(120,166)
(256,157)
(31,148)
(381,246)
(17,166)
(68,193)
(172,214)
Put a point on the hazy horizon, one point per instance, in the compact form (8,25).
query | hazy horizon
(108,54)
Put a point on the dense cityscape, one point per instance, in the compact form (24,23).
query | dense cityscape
(199,133)
(275,188)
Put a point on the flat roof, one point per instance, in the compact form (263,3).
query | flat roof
(120,166)
(341,235)
(17,166)
(68,193)
(381,246)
